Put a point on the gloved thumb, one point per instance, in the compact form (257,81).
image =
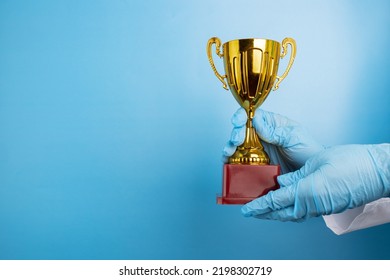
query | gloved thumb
(273,128)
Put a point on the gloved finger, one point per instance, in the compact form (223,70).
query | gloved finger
(303,205)
(239,118)
(238,135)
(274,200)
(224,159)
(292,178)
(229,149)
(307,203)
(283,215)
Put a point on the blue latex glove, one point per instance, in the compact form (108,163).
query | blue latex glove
(336,179)
(285,141)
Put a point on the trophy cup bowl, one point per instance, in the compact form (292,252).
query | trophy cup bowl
(251,67)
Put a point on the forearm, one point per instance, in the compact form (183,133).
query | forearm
(375,212)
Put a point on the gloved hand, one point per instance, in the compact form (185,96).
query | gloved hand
(285,141)
(336,179)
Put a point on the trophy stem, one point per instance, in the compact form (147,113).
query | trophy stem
(251,151)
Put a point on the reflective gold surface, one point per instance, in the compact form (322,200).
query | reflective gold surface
(251,67)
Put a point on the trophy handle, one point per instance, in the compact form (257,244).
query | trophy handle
(217,43)
(285,42)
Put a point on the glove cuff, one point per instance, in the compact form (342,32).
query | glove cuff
(381,157)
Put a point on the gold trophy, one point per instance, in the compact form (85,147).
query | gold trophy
(251,67)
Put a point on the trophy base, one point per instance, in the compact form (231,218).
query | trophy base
(244,183)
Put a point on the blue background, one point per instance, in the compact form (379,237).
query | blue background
(112,124)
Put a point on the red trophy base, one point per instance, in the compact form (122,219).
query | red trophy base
(243,183)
